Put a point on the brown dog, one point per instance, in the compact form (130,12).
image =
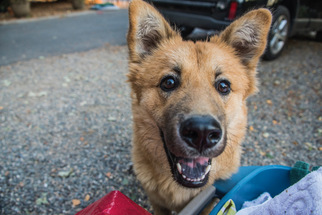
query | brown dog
(189,102)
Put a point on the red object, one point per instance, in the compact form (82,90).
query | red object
(232,10)
(114,203)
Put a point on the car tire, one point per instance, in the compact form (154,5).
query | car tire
(278,34)
(318,36)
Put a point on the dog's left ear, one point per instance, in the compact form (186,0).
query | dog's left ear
(147,29)
(248,36)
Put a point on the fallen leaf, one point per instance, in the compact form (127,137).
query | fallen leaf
(125,181)
(32,94)
(42,200)
(76,202)
(111,118)
(40,94)
(251,128)
(87,197)
(295,143)
(320,132)
(309,145)
(65,174)
(320,148)
(109,174)
(67,79)
(6,83)
(268,101)
(284,154)
(262,153)
(275,122)
(83,103)
(277,82)
(266,135)
(81,139)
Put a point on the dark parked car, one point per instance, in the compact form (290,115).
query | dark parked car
(289,17)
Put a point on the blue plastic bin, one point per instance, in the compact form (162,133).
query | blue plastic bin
(250,182)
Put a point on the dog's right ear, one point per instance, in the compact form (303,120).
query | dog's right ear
(147,29)
(248,36)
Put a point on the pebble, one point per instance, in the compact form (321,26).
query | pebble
(266,135)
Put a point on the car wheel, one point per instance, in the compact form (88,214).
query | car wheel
(185,31)
(278,34)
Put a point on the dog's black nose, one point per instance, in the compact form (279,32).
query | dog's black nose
(201,132)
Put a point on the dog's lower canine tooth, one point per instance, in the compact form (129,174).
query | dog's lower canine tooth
(203,176)
(208,169)
(179,168)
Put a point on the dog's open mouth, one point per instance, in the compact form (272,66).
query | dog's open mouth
(189,172)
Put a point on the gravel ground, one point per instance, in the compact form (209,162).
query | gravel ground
(65,126)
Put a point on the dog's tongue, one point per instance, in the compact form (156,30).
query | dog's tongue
(192,163)
(194,168)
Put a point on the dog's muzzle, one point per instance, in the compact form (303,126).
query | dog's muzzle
(201,136)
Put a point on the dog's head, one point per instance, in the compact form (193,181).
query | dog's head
(195,93)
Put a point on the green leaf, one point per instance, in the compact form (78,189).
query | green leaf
(125,181)
(42,200)
(66,173)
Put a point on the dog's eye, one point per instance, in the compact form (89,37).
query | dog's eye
(223,87)
(169,83)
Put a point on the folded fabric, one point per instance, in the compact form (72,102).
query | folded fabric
(260,200)
(304,197)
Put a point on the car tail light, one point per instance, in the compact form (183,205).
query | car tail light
(232,10)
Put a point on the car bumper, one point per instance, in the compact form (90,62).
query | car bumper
(194,20)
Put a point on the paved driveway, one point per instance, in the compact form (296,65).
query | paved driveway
(50,37)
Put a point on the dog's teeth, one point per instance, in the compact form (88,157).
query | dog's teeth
(179,168)
(193,179)
(203,177)
(208,169)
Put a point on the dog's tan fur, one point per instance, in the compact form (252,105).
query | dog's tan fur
(154,50)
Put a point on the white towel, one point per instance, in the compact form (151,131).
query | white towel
(304,197)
